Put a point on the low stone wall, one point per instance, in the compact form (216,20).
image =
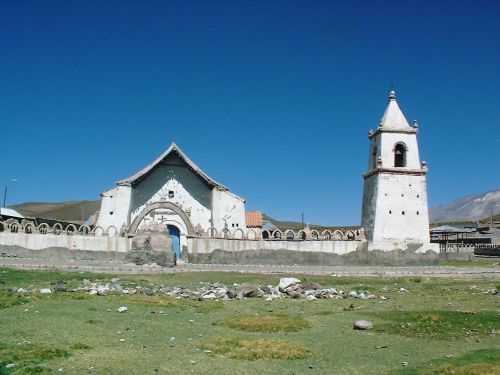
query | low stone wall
(291,258)
(59,255)
(207,245)
(37,241)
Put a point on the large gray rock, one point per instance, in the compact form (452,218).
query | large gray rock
(150,240)
(362,325)
(152,247)
(286,282)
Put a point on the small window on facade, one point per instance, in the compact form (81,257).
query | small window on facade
(171,194)
(418,195)
(385,194)
(402,195)
(400,155)
(232,225)
(418,213)
(390,212)
(111,212)
(402,212)
(237,225)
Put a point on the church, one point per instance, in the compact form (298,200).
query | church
(174,192)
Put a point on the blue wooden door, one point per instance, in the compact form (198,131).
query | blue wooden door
(175,235)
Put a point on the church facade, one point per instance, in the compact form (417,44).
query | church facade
(175,193)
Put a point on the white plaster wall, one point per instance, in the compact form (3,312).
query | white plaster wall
(115,205)
(401,211)
(207,245)
(388,142)
(387,196)
(34,241)
(189,193)
(229,208)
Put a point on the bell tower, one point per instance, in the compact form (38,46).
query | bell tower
(395,212)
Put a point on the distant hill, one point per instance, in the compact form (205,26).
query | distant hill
(478,207)
(73,211)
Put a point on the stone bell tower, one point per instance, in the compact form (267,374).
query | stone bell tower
(395,213)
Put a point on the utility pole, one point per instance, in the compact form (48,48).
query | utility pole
(302,219)
(4,196)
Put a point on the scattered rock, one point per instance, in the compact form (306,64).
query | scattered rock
(10,365)
(362,325)
(45,291)
(247,291)
(122,309)
(286,282)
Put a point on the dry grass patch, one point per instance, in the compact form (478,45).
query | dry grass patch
(251,350)
(267,323)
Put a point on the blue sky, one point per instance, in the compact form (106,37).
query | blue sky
(272,98)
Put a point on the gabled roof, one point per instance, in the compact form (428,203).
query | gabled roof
(393,118)
(177,150)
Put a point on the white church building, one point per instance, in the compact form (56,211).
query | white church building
(395,211)
(172,191)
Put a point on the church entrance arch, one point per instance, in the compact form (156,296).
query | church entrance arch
(172,217)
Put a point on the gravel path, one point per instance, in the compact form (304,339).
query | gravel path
(368,271)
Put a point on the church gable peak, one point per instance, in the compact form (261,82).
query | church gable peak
(172,150)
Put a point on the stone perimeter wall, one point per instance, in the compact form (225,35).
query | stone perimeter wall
(36,241)
(207,245)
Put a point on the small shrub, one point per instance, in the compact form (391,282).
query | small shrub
(255,349)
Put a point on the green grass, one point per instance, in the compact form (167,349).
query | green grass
(77,332)
(440,324)
(29,358)
(474,262)
(10,299)
(479,362)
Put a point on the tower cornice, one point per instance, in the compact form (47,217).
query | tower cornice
(396,171)
(380,130)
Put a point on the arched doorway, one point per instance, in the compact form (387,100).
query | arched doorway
(175,235)
(172,218)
